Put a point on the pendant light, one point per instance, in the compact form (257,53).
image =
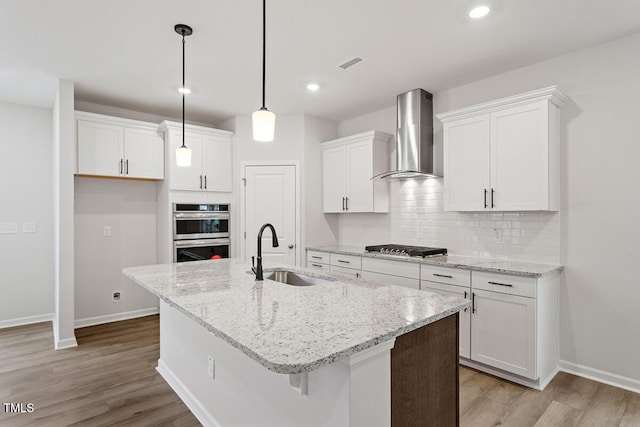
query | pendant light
(183,153)
(264,121)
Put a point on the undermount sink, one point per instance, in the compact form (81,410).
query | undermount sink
(295,279)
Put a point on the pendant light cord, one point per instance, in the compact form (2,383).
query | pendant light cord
(183,88)
(264,48)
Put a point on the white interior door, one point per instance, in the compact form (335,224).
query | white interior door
(270,197)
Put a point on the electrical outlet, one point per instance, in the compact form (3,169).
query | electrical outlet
(107,230)
(211,367)
(497,235)
(115,297)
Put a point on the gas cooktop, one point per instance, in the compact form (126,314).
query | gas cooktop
(422,251)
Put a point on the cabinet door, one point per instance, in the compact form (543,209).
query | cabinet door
(359,173)
(334,177)
(520,158)
(143,153)
(503,332)
(100,149)
(466,164)
(186,178)
(217,164)
(465,315)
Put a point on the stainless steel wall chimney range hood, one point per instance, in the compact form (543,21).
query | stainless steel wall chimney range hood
(414,136)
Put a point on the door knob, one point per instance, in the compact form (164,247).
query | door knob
(291,246)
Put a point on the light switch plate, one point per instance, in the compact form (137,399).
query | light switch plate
(29,227)
(9,228)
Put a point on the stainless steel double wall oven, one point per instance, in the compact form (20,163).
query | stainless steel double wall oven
(201,231)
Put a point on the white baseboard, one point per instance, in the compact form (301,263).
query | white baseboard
(108,318)
(10,323)
(600,376)
(194,405)
(66,343)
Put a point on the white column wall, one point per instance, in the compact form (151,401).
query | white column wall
(64,165)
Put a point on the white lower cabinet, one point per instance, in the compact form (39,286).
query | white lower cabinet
(511,328)
(452,282)
(319,261)
(348,265)
(512,325)
(391,272)
(503,332)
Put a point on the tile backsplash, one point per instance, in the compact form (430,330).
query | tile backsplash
(416,218)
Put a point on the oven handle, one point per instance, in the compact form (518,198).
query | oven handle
(201,215)
(201,243)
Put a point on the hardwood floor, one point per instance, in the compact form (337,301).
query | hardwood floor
(110,379)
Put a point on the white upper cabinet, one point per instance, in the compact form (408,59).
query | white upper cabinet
(504,155)
(348,164)
(211,158)
(114,147)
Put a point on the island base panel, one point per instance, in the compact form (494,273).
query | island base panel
(424,376)
(352,392)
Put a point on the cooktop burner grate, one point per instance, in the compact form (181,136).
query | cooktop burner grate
(391,249)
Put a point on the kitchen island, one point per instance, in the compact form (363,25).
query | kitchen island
(341,353)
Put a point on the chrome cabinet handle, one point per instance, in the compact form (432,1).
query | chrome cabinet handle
(201,182)
(120,166)
(473,302)
(316,257)
(492,204)
(357,275)
(126,167)
(205,182)
(317,265)
(465,297)
(443,275)
(346,202)
(485,198)
(501,284)
(290,246)
(343,204)
(344,262)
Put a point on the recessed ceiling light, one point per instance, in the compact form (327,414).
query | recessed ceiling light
(184,90)
(479,12)
(312,87)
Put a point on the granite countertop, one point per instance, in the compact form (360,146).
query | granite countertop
(518,268)
(291,329)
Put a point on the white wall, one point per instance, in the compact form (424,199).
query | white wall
(320,229)
(129,208)
(297,138)
(26,260)
(598,223)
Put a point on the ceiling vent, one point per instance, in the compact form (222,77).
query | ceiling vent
(350,63)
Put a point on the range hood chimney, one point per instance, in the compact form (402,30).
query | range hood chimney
(414,136)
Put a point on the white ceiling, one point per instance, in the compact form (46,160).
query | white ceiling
(125,53)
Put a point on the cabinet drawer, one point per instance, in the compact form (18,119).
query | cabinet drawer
(318,257)
(388,279)
(446,289)
(318,266)
(348,261)
(350,272)
(505,283)
(395,268)
(449,275)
